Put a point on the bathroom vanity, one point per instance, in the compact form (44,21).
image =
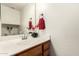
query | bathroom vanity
(15,46)
(38,50)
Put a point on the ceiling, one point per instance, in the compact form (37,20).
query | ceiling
(18,6)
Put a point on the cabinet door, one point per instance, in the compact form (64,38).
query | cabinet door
(35,51)
(46,47)
(46,53)
(9,15)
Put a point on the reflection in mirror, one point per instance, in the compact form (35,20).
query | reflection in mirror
(15,18)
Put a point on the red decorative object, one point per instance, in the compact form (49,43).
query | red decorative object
(33,28)
(30,24)
(41,24)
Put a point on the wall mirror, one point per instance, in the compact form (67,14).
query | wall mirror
(15,17)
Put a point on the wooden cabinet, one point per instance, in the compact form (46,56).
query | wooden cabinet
(45,47)
(9,15)
(35,51)
(39,50)
(46,53)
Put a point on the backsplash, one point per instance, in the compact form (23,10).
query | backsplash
(8,29)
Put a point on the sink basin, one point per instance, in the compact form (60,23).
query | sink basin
(24,42)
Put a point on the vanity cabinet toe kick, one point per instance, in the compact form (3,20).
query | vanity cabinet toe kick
(38,50)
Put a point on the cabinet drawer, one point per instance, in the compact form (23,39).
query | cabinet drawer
(46,45)
(35,51)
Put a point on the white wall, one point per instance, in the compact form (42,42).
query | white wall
(62,21)
(27,12)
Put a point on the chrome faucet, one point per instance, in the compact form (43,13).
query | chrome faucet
(24,37)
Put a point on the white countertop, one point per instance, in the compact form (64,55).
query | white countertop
(13,46)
